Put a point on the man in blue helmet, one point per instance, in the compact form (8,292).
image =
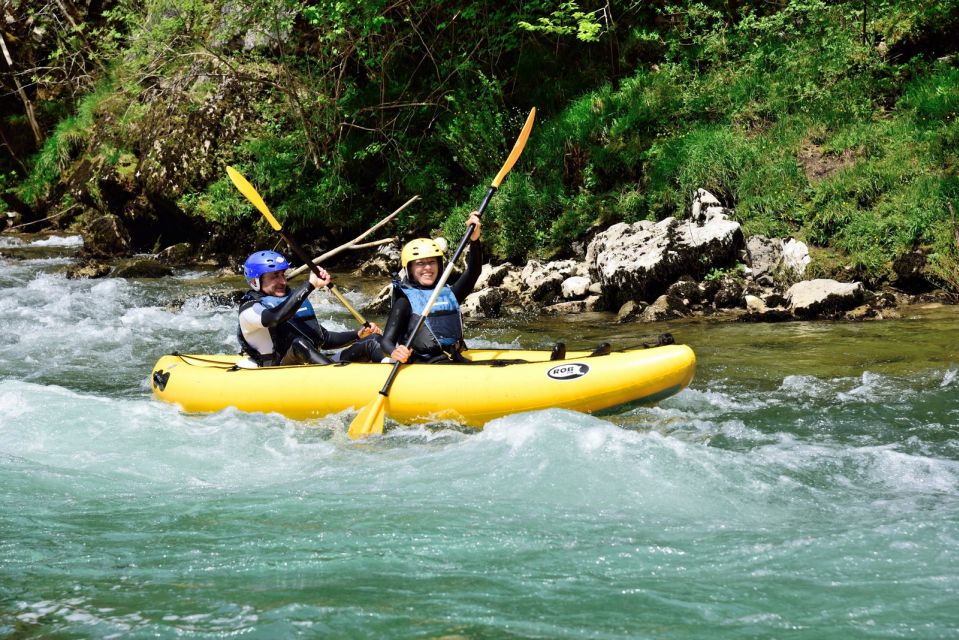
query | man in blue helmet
(279,327)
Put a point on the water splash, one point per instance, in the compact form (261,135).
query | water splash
(789,488)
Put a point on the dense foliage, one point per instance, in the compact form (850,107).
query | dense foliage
(832,121)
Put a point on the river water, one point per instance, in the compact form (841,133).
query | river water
(806,485)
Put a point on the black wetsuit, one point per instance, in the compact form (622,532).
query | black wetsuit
(401,318)
(292,333)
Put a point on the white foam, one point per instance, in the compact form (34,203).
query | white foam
(13,404)
(59,241)
(479,342)
(135,441)
(949,377)
(870,389)
(909,473)
(191,275)
(804,386)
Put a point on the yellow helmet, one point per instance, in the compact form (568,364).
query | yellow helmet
(419,249)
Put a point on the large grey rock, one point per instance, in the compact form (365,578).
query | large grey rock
(639,261)
(630,311)
(777,258)
(686,290)
(634,262)
(823,298)
(765,254)
(485,303)
(755,305)
(536,270)
(143,268)
(492,276)
(728,293)
(575,287)
(384,263)
(572,306)
(88,269)
(663,308)
(702,201)
(541,283)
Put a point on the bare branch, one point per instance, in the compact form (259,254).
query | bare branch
(27,105)
(374,243)
(340,249)
(353,244)
(50,217)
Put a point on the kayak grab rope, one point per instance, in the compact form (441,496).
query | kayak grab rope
(186,358)
(602,349)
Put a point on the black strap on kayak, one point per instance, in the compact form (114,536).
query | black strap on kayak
(602,349)
(661,340)
(503,363)
(160,378)
(558,352)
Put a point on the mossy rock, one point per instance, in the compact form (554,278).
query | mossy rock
(143,268)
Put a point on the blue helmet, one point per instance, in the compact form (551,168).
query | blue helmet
(263,262)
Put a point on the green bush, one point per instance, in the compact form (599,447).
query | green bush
(70,137)
(360,107)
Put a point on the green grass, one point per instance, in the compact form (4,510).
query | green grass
(70,138)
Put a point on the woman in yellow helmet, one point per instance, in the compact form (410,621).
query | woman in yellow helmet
(440,339)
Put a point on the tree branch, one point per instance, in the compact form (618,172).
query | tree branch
(354,243)
(27,105)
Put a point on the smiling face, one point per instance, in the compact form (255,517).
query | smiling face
(425,271)
(273,283)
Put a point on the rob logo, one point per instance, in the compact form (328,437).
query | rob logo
(568,371)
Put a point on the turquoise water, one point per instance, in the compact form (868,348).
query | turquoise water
(805,486)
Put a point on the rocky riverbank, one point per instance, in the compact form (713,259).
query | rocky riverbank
(701,265)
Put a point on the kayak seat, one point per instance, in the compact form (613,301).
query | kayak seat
(558,352)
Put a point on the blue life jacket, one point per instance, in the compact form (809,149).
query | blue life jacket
(443,329)
(302,323)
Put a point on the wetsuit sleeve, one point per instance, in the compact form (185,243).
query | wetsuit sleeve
(334,339)
(474,266)
(397,324)
(278,315)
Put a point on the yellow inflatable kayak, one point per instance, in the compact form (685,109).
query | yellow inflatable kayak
(496,383)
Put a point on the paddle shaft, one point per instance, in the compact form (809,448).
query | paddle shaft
(370,418)
(385,391)
(299,253)
(243,186)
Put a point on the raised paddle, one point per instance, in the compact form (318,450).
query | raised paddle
(370,418)
(248,190)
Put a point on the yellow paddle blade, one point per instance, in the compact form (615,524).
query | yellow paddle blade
(369,421)
(517,149)
(247,189)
